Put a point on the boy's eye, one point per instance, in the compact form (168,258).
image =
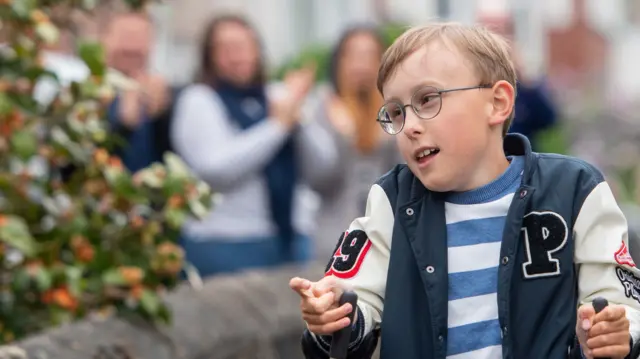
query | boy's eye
(393,112)
(425,97)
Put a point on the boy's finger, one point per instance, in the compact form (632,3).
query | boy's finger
(585,316)
(325,285)
(607,340)
(329,328)
(319,291)
(318,305)
(610,314)
(313,305)
(603,328)
(329,316)
(586,311)
(300,286)
(612,351)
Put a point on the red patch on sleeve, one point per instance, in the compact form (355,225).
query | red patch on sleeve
(622,256)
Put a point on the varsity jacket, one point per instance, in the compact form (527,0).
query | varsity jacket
(564,243)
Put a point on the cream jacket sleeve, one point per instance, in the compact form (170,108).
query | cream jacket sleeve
(605,267)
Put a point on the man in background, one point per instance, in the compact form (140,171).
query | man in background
(534,109)
(140,113)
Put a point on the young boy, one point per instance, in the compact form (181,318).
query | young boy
(477,247)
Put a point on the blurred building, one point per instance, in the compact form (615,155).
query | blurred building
(573,41)
(566,38)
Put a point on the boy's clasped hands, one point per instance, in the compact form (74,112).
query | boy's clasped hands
(602,335)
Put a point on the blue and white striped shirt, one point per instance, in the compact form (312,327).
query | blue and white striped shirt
(475,222)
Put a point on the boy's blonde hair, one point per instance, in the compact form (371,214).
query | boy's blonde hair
(488,52)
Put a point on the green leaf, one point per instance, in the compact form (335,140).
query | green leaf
(176,166)
(79,224)
(48,32)
(92,54)
(35,73)
(74,278)
(60,137)
(175,218)
(149,177)
(26,102)
(24,144)
(113,277)
(198,209)
(135,4)
(14,232)
(89,89)
(20,280)
(43,279)
(6,105)
(89,4)
(75,90)
(150,302)
(173,185)
(23,8)
(60,316)
(164,315)
(122,185)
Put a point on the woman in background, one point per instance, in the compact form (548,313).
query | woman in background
(348,109)
(250,145)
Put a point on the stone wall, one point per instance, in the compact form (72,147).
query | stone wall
(252,315)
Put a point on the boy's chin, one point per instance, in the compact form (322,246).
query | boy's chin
(436,183)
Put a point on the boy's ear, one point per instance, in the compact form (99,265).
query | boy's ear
(503,100)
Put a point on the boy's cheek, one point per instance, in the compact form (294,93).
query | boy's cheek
(404,147)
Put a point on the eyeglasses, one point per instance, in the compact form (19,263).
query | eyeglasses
(426,103)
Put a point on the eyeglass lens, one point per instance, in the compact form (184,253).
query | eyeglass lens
(426,103)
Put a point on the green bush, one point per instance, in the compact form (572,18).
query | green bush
(553,140)
(101,238)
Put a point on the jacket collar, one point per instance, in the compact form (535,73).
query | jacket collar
(516,144)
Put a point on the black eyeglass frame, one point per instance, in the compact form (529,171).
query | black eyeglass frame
(437,93)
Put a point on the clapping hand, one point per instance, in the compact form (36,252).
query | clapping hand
(297,83)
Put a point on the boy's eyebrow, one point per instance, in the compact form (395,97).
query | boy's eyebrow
(416,87)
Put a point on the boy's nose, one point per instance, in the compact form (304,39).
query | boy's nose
(413,125)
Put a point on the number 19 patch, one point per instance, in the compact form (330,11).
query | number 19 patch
(349,254)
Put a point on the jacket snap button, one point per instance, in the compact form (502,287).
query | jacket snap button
(523,193)
(430,269)
(440,338)
(409,211)
(504,331)
(505,260)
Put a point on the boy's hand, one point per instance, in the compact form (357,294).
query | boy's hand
(319,305)
(603,335)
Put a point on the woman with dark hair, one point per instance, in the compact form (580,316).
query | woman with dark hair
(348,109)
(249,143)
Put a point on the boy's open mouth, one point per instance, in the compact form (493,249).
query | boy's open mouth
(424,154)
